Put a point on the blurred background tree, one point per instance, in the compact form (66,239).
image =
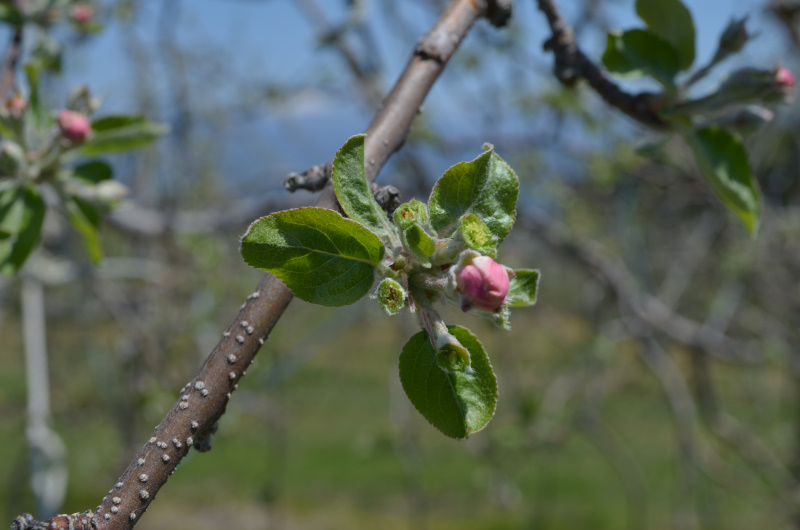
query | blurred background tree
(655,385)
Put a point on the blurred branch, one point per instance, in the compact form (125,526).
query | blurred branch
(203,399)
(571,65)
(788,14)
(645,310)
(12,58)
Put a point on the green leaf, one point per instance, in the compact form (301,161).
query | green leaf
(639,52)
(523,288)
(486,186)
(321,256)
(113,134)
(353,191)
(722,160)
(672,21)
(93,172)
(15,248)
(85,218)
(477,235)
(457,403)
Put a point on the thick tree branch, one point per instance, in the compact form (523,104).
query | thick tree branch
(571,65)
(203,400)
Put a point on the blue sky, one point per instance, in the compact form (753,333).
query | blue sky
(255,43)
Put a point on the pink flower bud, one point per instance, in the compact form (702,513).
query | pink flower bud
(74,126)
(483,283)
(81,13)
(16,106)
(784,78)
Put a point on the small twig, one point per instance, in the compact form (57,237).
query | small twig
(388,197)
(571,65)
(313,179)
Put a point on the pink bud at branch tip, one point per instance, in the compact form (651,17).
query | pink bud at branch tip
(784,77)
(82,13)
(483,283)
(74,126)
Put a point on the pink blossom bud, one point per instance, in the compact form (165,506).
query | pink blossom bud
(784,78)
(74,126)
(483,283)
(16,106)
(81,13)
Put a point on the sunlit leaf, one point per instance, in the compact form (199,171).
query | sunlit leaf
(486,186)
(458,403)
(321,256)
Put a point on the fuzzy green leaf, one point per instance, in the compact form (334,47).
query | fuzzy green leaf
(722,160)
(24,226)
(523,288)
(672,21)
(114,134)
(640,52)
(353,191)
(457,403)
(321,256)
(486,186)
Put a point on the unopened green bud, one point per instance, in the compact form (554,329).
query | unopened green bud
(391,296)
(413,212)
(12,157)
(732,39)
(477,235)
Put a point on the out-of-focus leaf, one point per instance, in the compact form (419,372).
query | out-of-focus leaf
(25,229)
(639,52)
(9,15)
(93,172)
(37,116)
(85,218)
(114,134)
(672,21)
(722,160)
